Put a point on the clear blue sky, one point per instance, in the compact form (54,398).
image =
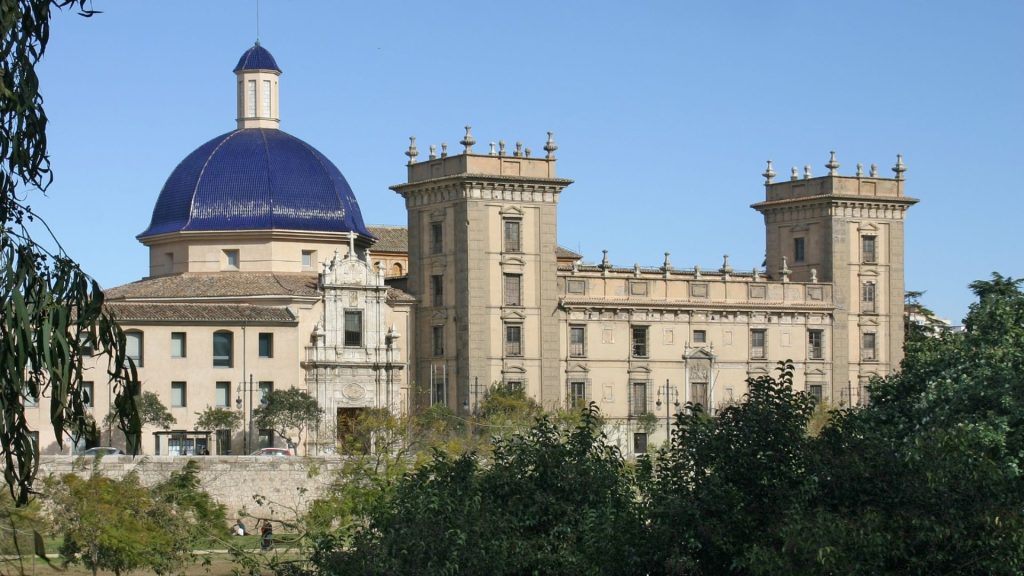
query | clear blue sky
(664,113)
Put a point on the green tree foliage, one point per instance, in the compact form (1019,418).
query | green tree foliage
(195,511)
(288,410)
(218,419)
(51,313)
(116,525)
(550,500)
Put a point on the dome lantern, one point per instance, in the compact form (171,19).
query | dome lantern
(258,103)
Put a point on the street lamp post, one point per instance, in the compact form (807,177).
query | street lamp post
(246,414)
(669,393)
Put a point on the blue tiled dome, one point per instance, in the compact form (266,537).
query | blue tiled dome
(256,179)
(256,58)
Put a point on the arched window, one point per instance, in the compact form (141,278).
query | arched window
(396,269)
(223,349)
(134,346)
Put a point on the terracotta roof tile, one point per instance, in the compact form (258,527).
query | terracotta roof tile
(153,312)
(390,238)
(219,285)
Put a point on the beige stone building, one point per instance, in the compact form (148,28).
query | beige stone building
(263,275)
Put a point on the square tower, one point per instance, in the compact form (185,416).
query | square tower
(482,265)
(848,231)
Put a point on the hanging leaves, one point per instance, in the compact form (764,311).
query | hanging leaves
(51,313)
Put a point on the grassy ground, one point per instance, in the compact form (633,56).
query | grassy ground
(214,561)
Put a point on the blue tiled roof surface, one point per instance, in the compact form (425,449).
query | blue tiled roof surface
(256,179)
(256,58)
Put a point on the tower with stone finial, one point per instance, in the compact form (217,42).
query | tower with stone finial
(257,74)
(847,231)
(482,263)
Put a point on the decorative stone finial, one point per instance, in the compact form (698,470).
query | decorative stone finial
(768,174)
(785,270)
(794,174)
(351,245)
(444,149)
(519,149)
(726,268)
(605,263)
(874,170)
(575,266)
(807,171)
(636,269)
(468,141)
(527,152)
(501,147)
(412,152)
(756,274)
(899,168)
(550,146)
(433,152)
(667,265)
(493,152)
(860,169)
(696,270)
(833,165)
(814,276)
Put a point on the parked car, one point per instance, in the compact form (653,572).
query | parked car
(272,452)
(102,451)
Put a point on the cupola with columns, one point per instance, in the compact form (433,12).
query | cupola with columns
(258,102)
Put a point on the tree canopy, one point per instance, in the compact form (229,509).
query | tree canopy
(285,411)
(926,479)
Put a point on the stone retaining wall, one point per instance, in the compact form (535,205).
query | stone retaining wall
(262,486)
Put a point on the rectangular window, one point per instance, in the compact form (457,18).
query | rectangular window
(30,398)
(513,242)
(308,260)
(815,344)
(88,394)
(266,99)
(223,349)
(266,438)
(867,297)
(638,399)
(231,259)
(867,346)
(868,249)
(513,339)
(639,334)
(439,384)
(250,99)
(437,290)
(757,343)
(514,385)
(265,389)
(436,238)
(640,442)
(513,290)
(816,391)
(223,394)
(134,347)
(86,345)
(700,336)
(798,249)
(577,394)
(699,394)
(438,340)
(266,340)
(178,349)
(178,395)
(577,341)
(353,328)
(223,441)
